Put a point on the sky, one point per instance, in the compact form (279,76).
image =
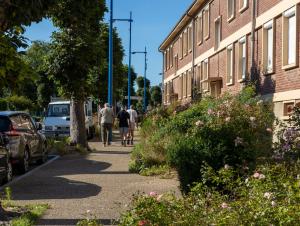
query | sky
(153,21)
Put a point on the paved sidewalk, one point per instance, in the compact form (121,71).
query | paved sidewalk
(99,182)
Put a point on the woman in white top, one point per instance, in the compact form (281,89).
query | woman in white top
(133,120)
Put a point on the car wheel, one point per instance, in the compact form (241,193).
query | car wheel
(24,167)
(44,156)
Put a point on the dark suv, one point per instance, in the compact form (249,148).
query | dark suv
(5,163)
(26,143)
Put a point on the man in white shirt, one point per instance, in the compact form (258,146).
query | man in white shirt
(133,121)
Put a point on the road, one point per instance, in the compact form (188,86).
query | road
(99,182)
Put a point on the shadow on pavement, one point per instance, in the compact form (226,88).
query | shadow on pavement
(72,221)
(111,152)
(62,179)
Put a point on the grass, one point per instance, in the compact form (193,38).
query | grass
(162,171)
(32,214)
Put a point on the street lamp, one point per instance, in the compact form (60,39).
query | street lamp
(110,57)
(145,97)
(129,63)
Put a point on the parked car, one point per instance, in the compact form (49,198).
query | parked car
(26,143)
(6,171)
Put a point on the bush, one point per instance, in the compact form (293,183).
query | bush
(16,103)
(270,196)
(231,130)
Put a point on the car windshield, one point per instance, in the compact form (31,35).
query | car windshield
(4,124)
(58,110)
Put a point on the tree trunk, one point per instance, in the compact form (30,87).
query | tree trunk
(77,127)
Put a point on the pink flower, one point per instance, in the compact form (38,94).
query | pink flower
(210,111)
(227,119)
(199,123)
(142,223)
(269,130)
(268,195)
(261,176)
(224,205)
(256,175)
(153,194)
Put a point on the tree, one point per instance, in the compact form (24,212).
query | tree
(36,56)
(16,13)
(156,96)
(74,56)
(140,91)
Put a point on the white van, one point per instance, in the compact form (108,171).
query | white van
(56,122)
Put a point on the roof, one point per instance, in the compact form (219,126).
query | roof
(184,20)
(60,102)
(8,113)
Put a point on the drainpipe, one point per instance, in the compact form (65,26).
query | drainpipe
(253,64)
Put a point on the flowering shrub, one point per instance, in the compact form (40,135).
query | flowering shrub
(288,137)
(269,196)
(234,130)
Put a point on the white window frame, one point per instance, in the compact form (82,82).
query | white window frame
(204,75)
(230,15)
(230,65)
(292,12)
(218,32)
(206,24)
(268,69)
(242,43)
(244,4)
(190,38)
(199,29)
(180,47)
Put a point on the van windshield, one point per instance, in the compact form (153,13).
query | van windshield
(58,110)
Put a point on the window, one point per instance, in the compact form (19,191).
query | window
(204,76)
(190,39)
(242,59)
(217,32)
(180,47)
(176,62)
(198,26)
(230,10)
(198,77)
(289,38)
(288,108)
(268,47)
(230,65)
(171,56)
(165,60)
(189,83)
(206,22)
(180,88)
(243,5)
(185,43)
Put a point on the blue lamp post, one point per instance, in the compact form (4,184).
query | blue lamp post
(145,96)
(110,68)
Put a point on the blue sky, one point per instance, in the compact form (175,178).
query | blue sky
(153,20)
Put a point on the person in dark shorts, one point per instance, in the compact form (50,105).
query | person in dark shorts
(124,121)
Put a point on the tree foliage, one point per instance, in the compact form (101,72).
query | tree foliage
(156,96)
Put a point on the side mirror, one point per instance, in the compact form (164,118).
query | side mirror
(38,126)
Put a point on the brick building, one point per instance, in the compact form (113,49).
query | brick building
(210,51)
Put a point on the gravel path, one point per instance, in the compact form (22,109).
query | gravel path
(99,182)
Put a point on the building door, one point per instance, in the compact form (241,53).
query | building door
(215,88)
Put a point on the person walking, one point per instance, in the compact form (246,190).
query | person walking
(133,120)
(124,121)
(107,120)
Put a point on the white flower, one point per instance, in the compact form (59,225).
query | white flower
(247,180)
(267,195)
(259,102)
(261,176)
(199,123)
(238,141)
(226,166)
(227,119)
(88,211)
(224,205)
(273,203)
(252,119)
